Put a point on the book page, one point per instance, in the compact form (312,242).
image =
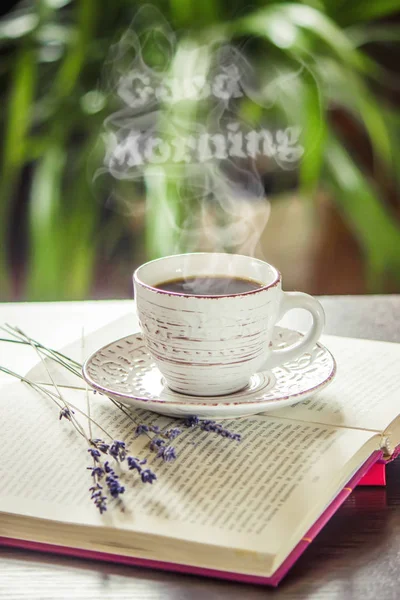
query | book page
(365,392)
(253,495)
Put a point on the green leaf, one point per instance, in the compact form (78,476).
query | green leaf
(313,135)
(365,10)
(374,226)
(72,65)
(283,23)
(45,224)
(163,214)
(17,123)
(362,34)
(79,229)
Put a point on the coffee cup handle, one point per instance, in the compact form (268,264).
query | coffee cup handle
(298,300)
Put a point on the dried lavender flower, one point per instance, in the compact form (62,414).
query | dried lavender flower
(167,453)
(112,480)
(191,421)
(156,443)
(114,486)
(96,472)
(171,434)
(148,476)
(100,445)
(207,425)
(95,454)
(118,450)
(133,463)
(99,500)
(66,413)
(141,429)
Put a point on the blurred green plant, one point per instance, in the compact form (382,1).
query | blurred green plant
(51,56)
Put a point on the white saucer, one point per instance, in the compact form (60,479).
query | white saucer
(125,371)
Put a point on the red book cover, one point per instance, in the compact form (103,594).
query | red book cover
(375,476)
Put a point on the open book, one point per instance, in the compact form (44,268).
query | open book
(243,511)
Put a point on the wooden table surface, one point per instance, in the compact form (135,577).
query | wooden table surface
(356,556)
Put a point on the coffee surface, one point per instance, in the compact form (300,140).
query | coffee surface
(209,285)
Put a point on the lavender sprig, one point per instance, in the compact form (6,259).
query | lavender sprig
(116,449)
(208,425)
(112,481)
(99,499)
(167,453)
(100,445)
(144,429)
(146,475)
(173,433)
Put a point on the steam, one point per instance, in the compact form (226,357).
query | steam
(179,129)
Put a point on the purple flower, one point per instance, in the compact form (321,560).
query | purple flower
(114,486)
(140,429)
(100,445)
(156,443)
(95,454)
(117,450)
(96,490)
(96,472)
(66,413)
(167,453)
(133,463)
(101,503)
(171,434)
(107,467)
(99,500)
(147,476)
(112,480)
(207,425)
(191,421)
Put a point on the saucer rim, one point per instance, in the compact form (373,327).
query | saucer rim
(191,400)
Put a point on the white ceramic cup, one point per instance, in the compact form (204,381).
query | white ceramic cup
(211,345)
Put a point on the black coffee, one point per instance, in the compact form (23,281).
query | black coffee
(209,285)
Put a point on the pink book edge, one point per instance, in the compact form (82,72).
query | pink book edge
(273,580)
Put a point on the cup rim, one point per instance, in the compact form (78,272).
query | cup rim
(137,280)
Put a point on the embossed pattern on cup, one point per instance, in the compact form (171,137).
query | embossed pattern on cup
(205,347)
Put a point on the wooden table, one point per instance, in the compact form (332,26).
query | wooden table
(357,555)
